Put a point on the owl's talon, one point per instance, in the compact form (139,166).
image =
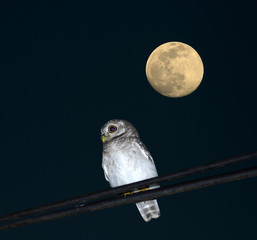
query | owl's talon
(143,189)
(128,193)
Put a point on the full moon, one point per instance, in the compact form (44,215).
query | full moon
(174,69)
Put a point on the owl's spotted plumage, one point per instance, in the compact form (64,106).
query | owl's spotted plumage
(127,160)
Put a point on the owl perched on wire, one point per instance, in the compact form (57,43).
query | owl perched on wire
(127,160)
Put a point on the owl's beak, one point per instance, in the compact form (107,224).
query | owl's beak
(104,138)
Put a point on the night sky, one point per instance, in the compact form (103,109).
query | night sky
(67,68)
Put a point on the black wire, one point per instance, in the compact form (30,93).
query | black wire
(138,197)
(126,188)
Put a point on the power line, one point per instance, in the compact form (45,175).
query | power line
(138,197)
(126,188)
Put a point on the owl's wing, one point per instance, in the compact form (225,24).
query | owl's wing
(144,150)
(105,173)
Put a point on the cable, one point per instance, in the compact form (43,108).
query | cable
(138,197)
(126,188)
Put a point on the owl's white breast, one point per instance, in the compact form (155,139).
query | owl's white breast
(128,164)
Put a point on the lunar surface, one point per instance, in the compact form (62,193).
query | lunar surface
(174,69)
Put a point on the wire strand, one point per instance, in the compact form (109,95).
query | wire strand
(138,197)
(126,188)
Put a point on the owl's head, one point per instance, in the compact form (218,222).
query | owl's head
(117,128)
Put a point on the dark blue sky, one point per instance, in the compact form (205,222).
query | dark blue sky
(67,68)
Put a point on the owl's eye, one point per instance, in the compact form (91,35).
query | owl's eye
(112,128)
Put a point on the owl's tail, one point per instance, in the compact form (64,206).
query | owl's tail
(149,209)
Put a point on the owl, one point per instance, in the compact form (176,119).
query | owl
(127,160)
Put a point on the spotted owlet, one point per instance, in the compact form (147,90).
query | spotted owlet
(127,160)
